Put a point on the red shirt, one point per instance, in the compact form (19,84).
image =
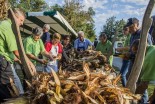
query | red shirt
(48,47)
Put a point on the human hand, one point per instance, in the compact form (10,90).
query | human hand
(43,61)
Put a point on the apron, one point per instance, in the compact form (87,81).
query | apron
(81,46)
(52,64)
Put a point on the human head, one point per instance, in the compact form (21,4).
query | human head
(66,39)
(103,37)
(125,30)
(46,28)
(132,24)
(20,16)
(81,35)
(134,46)
(56,37)
(37,32)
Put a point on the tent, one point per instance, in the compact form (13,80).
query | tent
(53,18)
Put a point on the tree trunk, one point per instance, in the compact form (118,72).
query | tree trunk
(137,66)
(28,66)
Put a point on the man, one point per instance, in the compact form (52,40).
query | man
(125,62)
(34,46)
(134,30)
(67,51)
(105,47)
(147,73)
(81,44)
(46,35)
(9,54)
(95,43)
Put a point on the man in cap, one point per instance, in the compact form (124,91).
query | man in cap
(34,46)
(135,31)
(46,35)
(81,44)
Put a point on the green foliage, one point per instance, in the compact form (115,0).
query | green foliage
(113,26)
(79,19)
(28,5)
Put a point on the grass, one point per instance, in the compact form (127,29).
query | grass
(150,89)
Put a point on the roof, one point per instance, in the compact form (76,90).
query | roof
(53,18)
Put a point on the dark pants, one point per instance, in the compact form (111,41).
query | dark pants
(124,71)
(145,93)
(7,88)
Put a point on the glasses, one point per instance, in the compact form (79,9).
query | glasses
(67,39)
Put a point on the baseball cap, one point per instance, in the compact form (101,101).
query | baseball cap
(131,21)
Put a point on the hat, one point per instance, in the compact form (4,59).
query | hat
(37,31)
(131,21)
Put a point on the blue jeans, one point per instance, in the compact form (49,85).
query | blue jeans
(17,80)
(144,98)
(124,71)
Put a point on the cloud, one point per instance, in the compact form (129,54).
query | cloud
(94,3)
(137,2)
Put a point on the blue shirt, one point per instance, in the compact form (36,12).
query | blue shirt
(136,36)
(82,45)
(45,37)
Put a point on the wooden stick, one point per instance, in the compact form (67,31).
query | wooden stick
(28,66)
(137,66)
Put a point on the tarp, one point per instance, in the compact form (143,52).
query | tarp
(53,18)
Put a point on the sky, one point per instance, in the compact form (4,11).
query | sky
(104,9)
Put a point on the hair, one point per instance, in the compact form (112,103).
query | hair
(103,35)
(66,36)
(80,33)
(125,28)
(18,12)
(46,26)
(135,44)
(56,36)
(37,31)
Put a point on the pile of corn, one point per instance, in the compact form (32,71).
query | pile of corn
(79,87)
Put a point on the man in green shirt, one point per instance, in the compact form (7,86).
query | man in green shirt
(33,46)
(126,61)
(8,54)
(104,46)
(147,73)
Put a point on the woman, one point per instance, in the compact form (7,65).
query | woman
(54,48)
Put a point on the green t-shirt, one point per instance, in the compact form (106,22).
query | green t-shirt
(33,47)
(7,40)
(148,70)
(105,48)
(127,41)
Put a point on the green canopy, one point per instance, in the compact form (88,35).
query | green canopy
(53,18)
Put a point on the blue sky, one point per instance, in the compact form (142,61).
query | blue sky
(121,9)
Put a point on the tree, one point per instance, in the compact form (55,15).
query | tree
(79,19)
(29,5)
(112,26)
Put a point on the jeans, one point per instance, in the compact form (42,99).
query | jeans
(145,98)
(124,71)
(17,80)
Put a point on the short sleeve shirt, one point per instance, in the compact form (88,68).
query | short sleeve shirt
(7,40)
(85,43)
(33,47)
(148,69)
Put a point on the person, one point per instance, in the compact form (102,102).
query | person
(95,43)
(152,29)
(46,35)
(54,48)
(34,46)
(135,31)
(125,61)
(81,44)
(67,51)
(147,73)
(8,54)
(105,47)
